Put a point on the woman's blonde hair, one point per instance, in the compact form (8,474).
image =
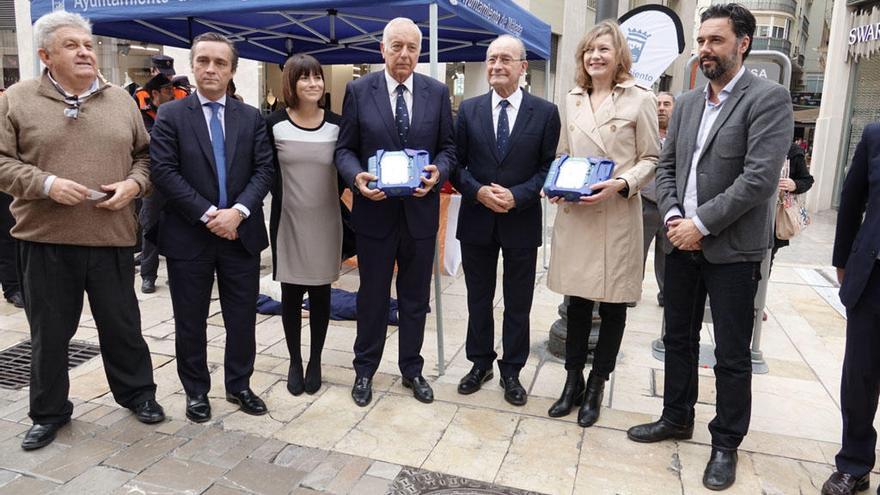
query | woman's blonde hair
(621,49)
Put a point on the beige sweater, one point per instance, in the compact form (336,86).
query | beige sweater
(107,143)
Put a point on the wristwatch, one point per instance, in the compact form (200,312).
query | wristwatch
(241,215)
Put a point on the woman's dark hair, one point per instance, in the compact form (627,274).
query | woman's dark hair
(741,19)
(296,67)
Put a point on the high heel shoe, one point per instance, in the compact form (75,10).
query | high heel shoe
(589,411)
(572,394)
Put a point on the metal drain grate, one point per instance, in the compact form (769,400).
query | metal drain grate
(15,362)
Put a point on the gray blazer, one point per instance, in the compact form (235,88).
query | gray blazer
(738,169)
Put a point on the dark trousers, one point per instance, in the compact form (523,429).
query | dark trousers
(480,264)
(291,318)
(654,230)
(238,279)
(731,288)
(8,250)
(860,383)
(376,259)
(148,217)
(580,321)
(54,278)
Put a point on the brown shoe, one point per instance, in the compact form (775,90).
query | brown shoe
(844,484)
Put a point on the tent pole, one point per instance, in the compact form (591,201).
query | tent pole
(438,289)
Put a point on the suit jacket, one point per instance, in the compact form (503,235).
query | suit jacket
(596,251)
(738,170)
(522,169)
(368,125)
(857,240)
(183,170)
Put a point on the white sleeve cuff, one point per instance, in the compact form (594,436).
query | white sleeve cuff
(205,218)
(673,212)
(242,208)
(47,185)
(699,223)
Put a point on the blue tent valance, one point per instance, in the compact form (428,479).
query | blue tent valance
(333,31)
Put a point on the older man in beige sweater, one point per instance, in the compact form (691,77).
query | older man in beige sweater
(74,154)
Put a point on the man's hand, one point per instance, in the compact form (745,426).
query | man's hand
(840,273)
(361,180)
(786,184)
(224,223)
(428,183)
(504,195)
(684,234)
(606,189)
(486,195)
(121,194)
(67,192)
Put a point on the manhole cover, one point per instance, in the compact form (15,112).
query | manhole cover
(15,362)
(419,482)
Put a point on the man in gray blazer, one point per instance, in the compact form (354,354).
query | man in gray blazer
(716,184)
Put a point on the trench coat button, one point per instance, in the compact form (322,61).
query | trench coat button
(570,127)
(613,128)
(577,103)
(565,209)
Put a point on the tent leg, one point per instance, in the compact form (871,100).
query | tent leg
(438,290)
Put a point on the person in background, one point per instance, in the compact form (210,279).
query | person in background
(596,252)
(305,225)
(798,181)
(506,140)
(74,220)
(652,222)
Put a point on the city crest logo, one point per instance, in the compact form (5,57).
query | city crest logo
(58,5)
(636,39)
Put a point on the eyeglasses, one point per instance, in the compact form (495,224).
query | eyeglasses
(503,60)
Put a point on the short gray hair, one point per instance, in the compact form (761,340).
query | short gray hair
(45,27)
(400,21)
(519,42)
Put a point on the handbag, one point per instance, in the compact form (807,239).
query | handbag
(791,215)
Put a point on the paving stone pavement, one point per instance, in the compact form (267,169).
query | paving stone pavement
(476,444)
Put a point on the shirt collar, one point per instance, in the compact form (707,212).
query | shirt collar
(725,92)
(515,99)
(92,88)
(392,83)
(204,101)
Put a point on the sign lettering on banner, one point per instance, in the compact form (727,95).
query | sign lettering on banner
(864,34)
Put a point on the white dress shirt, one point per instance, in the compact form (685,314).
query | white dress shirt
(206,110)
(710,114)
(515,101)
(392,94)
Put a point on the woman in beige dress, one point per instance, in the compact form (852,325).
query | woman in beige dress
(596,253)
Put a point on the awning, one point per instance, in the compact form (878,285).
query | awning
(806,116)
(333,31)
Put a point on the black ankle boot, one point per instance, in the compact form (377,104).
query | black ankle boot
(589,412)
(572,394)
(295,383)
(313,377)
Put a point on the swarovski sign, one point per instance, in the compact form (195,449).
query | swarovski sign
(864,33)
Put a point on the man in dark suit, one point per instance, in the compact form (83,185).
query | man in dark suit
(212,162)
(392,110)
(505,142)
(716,186)
(857,258)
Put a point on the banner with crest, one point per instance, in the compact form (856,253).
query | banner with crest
(655,37)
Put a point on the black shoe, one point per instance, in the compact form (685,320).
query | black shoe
(362,391)
(421,390)
(720,472)
(572,393)
(844,484)
(313,377)
(149,412)
(248,402)
(295,383)
(475,379)
(148,286)
(589,411)
(658,431)
(198,409)
(514,392)
(40,435)
(16,299)
(660,299)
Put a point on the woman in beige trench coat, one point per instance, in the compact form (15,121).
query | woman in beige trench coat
(596,253)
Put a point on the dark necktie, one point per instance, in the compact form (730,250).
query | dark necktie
(219,146)
(503,134)
(402,115)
